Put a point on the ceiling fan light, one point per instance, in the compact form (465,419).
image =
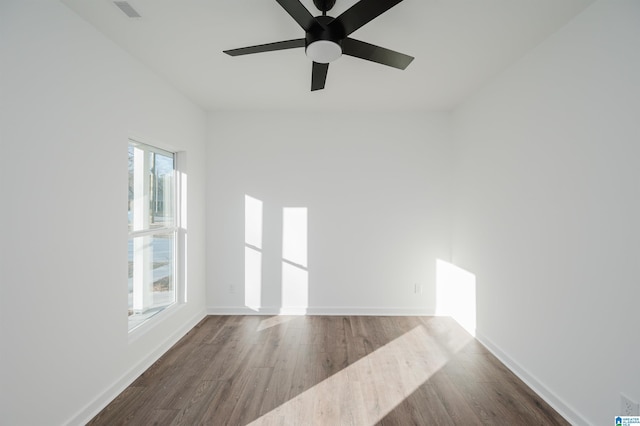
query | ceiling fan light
(323,51)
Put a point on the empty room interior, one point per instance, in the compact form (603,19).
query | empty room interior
(484,201)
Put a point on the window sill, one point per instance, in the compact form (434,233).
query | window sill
(153,322)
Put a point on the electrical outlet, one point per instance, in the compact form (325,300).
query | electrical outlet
(232,289)
(417,288)
(628,407)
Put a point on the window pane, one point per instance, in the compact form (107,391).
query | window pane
(131,189)
(152,233)
(151,276)
(151,188)
(162,197)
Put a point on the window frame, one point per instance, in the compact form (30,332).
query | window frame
(174,229)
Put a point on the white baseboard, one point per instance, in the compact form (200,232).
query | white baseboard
(538,387)
(337,310)
(102,400)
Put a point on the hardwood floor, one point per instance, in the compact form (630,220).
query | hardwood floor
(315,370)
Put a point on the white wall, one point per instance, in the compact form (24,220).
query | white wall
(377,190)
(69,101)
(547,212)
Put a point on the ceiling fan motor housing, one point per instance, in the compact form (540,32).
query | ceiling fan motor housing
(323,43)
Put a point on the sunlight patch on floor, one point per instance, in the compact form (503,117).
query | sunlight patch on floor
(273,321)
(367,390)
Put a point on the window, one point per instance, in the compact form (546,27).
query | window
(152,232)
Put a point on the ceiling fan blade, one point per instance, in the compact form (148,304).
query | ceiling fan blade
(359,14)
(299,13)
(318,76)
(269,47)
(371,52)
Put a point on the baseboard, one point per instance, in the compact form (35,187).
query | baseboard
(102,400)
(333,310)
(538,387)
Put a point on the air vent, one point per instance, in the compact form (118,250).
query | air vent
(127,9)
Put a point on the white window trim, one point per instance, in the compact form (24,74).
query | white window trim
(179,249)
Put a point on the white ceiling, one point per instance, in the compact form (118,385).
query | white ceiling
(458,46)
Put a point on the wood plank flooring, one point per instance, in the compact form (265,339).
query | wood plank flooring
(328,370)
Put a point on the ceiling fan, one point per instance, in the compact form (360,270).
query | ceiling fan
(327,38)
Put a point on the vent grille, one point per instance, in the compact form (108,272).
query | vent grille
(127,9)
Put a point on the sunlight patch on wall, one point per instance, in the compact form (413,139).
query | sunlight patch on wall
(295,275)
(253,222)
(252,278)
(252,253)
(456,294)
(181,183)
